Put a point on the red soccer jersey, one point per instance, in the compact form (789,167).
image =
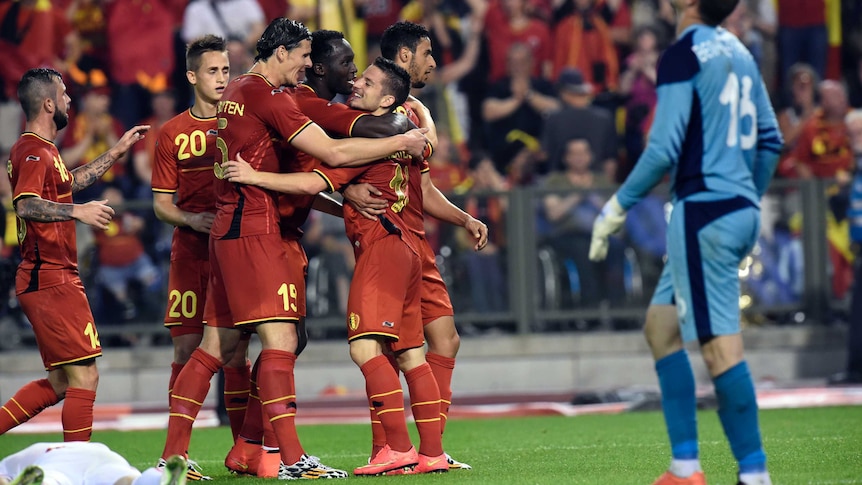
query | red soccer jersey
(183,165)
(293,209)
(254,119)
(336,118)
(48,249)
(413,215)
(392,177)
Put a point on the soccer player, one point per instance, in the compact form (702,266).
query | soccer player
(183,197)
(387,267)
(253,280)
(47,277)
(409,46)
(83,463)
(719,140)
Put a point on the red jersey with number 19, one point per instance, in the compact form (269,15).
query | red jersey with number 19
(254,119)
(185,151)
(48,249)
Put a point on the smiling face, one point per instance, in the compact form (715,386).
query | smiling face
(211,77)
(421,63)
(295,62)
(369,92)
(340,68)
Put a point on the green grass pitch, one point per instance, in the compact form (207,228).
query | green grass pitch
(817,446)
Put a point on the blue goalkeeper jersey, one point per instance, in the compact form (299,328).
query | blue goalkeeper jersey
(714,129)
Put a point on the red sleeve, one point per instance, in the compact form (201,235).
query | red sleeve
(283,114)
(30,168)
(165,175)
(339,177)
(335,118)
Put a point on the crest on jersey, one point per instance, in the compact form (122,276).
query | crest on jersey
(353,321)
(32,158)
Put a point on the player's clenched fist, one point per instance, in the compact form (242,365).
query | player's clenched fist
(96,213)
(416,141)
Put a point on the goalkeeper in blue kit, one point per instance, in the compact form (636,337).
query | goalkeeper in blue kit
(717,137)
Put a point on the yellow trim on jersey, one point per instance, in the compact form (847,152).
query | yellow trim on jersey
(331,188)
(173,324)
(199,118)
(196,169)
(79,359)
(11,415)
(268,319)
(39,137)
(297,132)
(169,191)
(29,194)
(258,75)
(425,170)
(382,334)
(303,85)
(353,123)
(67,194)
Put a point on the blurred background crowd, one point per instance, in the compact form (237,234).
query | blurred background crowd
(552,98)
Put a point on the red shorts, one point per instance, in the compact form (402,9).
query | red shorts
(251,281)
(63,324)
(187,296)
(435,296)
(384,295)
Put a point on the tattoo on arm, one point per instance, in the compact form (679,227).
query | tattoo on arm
(41,210)
(85,175)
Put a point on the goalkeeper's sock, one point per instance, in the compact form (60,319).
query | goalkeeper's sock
(679,406)
(442,368)
(29,401)
(386,396)
(190,390)
(77,414)
(737,410)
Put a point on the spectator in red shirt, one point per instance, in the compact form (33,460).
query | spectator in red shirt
(506,24)
(823,149)
(584,40)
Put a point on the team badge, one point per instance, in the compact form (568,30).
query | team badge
(353,321)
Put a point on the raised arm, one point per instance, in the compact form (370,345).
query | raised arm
(95,213)
(350,152)
(305,183)
(85,175)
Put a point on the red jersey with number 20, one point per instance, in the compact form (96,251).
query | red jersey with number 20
(185,151)
(48,249)
(254,119)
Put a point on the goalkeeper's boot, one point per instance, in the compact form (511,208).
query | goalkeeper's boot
(243,457)
(309,468)
(270,462)
(32,475)
(455,464)
(755,479)
(388,460)
(175,471)
(668,478)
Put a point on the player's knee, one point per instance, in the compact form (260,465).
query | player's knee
(442,337)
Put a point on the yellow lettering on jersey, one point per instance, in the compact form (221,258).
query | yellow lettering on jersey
(231,108)
(61,167)
(398,183)
(402,154)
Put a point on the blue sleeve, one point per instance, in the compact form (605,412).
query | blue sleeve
(676,72)
(769,142)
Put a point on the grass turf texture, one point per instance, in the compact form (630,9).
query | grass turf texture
(804,446)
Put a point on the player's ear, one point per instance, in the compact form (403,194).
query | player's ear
(387,101)
(49,105)
(404,54)
(191,77)
(318,69)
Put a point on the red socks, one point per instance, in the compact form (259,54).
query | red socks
(236,395)
(278,399)
(189,392)
(175,371)
(77,415)
(386,397)
(442,368)
(29,401)
(425,404)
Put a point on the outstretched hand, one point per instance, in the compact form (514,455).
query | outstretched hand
(365,198)
(131,137)
(96,213)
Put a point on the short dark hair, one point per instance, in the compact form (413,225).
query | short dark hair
(35,86)
(281,31)
(713,12)
(397,82)
(322,45)
(401,34)
(196,49)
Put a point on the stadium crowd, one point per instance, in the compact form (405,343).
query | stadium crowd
(556,94)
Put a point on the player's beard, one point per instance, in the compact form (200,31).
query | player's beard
(60,119)
(418,84)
